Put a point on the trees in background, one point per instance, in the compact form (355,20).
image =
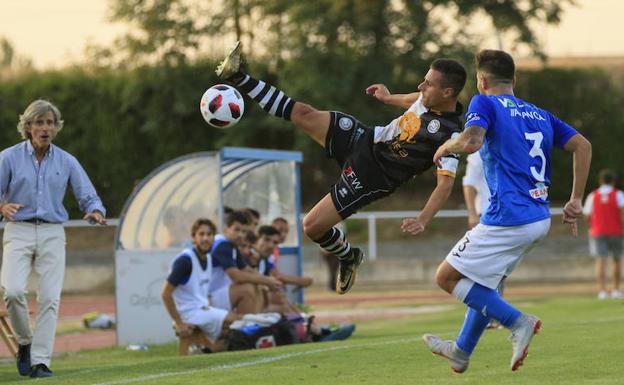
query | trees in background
(135,105)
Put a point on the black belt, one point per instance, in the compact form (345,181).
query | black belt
(36,221)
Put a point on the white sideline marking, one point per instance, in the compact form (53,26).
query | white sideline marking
(254,362)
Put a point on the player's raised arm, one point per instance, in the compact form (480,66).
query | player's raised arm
(380,92)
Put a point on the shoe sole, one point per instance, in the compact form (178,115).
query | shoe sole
(458,371)
(525,353)
(351,282)
(225,62)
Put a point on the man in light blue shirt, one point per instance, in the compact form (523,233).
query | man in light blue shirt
(34,176)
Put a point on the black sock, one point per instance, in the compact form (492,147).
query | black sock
(335,242)
(272,100)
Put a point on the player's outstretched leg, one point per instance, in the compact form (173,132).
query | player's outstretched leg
(319,225)
(274,101)
(458,359)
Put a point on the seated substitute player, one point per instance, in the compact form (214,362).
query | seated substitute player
(375,161)
(516,139)
(186,289)
(234,285)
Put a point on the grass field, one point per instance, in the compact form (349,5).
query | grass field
(582,342)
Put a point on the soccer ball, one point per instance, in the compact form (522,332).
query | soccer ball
(221,106)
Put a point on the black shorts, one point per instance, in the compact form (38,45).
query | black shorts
(361,181)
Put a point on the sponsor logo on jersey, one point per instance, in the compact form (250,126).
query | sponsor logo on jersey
(352,179)
(345,123)
(409,125)
(433,126)
(507,103)
(526,114)
(539,192)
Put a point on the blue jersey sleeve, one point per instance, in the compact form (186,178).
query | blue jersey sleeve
(222,256)
(480,112)
(181,271)
(241,262)
(562,131)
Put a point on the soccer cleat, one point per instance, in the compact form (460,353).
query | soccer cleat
(347,271)
(40,371)
(458,359)
(603,294)
(230,68)
(23,360)
(340,333)
(524,329)
(617,294)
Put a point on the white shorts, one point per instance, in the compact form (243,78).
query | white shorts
(209,320)
(486,254)
(221,298)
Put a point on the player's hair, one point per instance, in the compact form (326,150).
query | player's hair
(607,176)
(279,219)
(227,210)
(499,65)
(237,216)
(253,212)
(267,231)
(454,74)
(251,237)
(33,111)
(199,222)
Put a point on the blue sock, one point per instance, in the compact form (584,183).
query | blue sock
(474,325)
(490,304)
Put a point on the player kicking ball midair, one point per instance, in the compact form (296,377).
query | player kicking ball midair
(374,161)
(516,139)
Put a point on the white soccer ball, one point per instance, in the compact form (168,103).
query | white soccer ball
(222,106)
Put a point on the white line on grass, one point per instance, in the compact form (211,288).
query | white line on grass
(254,362)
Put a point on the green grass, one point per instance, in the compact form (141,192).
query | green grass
(582,342)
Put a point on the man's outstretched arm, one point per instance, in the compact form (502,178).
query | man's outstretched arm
(381,93)
(437,199)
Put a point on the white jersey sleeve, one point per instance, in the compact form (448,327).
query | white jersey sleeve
(390,131)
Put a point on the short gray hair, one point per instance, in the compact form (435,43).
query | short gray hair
(34,110)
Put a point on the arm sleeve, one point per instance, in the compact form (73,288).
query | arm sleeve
(480,112)
(5,175)
(241,262)
(83,189)
(181,271)
(222,256)
(619,197)
(474,172)
(562,131)
(587,207)
(449,165)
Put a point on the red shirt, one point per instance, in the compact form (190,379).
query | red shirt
(605,217)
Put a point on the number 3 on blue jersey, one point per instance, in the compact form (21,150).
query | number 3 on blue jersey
(536,151)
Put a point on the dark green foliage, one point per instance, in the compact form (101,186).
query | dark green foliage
(123,124)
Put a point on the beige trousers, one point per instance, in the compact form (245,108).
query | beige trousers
(25,246)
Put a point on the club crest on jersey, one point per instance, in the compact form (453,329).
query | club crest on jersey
(472,116)
(345,123)
(433,126)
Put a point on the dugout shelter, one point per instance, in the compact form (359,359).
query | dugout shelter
(156,220)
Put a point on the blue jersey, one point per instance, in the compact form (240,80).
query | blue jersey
(516,156)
